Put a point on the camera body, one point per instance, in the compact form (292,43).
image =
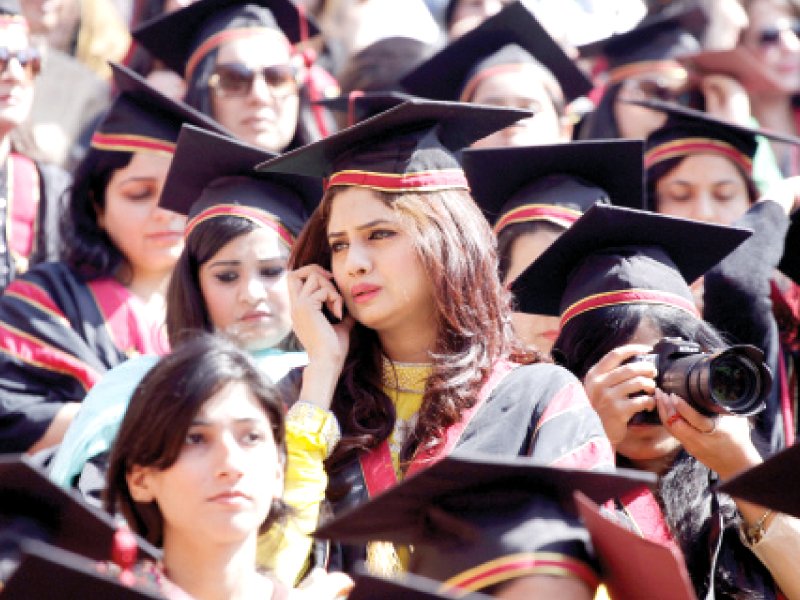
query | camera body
(734,381)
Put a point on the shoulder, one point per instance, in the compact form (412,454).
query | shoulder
(537,381)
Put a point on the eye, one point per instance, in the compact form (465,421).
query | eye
(337,246)
(139,192)
(226,276)
(194,438)
(254,437)
(272,272)
(380,234)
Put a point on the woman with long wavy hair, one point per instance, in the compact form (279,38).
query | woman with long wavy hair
(422,359)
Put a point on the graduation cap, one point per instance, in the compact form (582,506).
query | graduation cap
(615,255)
(554,183)
(212,175)
(653,45)
(35,507)
(511,38)
(183,38)
(790,262)
(632,566)
(477,520)
(771,483)
(47,572)
(407,587)
(689,131)
(379,66)
(407,148)
(10,8)
(141,119)
(362,105)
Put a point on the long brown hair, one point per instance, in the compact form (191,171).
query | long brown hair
(457,249)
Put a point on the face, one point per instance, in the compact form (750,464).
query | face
(221,487)
(150,238)
(468,14)
(636,122)
(45,15)
(646,443)
(539,331)
(376,267)
(16,80)
(521,89)
(774,37)
(704,187)
(244,289)
(266,115)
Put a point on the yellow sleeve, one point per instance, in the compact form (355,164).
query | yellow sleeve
(311,434)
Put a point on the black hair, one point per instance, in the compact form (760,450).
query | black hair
(161,412)
(509,234)
(86,248)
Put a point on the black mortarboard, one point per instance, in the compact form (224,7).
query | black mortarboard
(511,37)
(10,7)
(554,183)
(47,572)
(468,510)
(141,119)
(790,263)
(363,105)
(407,148)
(666,35)
(689,131)
(380,66)
(212,175)
(406,587)
(633,566)
(182,38)
(771,484)
(34,507)
(614,255)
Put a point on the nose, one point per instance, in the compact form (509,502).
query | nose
(357,261)
(229,457)
(253,289)
(260,90)
(704,209)
(13,69)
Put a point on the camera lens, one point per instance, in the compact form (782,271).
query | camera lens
(735,382)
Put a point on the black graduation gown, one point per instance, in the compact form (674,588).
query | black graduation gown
(539,410)
(58,335)
(737,302)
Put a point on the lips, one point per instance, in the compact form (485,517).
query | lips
(230,497)
(364,292)
(256,315)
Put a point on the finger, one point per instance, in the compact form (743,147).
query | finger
(700,422)
(642,373)
(304,272)
(617,356)
(670,417)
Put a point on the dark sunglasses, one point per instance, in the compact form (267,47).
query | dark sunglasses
(235,80)
(28,58)
(772,35)
(651,89)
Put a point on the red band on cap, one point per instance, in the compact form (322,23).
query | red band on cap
(123,142)
(260,217)
(558,215)
(519,565)
(422,181)
(469,88)
(634,296)
(686,146)
(215,41)
(647,68)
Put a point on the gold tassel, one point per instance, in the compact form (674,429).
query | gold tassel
(383,560)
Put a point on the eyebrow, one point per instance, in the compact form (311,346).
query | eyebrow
(362,227)
(206,423)
(136,179)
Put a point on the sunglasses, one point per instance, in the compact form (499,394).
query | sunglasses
(28,58)
(769,36)
(235,80)
(650,89)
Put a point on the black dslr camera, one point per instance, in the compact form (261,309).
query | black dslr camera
(734,381)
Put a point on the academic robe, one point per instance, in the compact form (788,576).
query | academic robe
(58,335)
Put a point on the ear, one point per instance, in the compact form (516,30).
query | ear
(280,471)
(140,483)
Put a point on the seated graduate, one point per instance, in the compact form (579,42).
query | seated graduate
(500,526)
(618,278)
(509,60)
(422,358)
(532,195)
(64,324)
(198,469)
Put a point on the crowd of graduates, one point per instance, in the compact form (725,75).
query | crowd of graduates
(383,299)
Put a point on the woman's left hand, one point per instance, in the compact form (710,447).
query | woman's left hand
(721,442)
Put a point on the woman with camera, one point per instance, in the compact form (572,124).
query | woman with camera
(617,279)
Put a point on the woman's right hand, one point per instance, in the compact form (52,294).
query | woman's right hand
(311,288)
(618,389)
